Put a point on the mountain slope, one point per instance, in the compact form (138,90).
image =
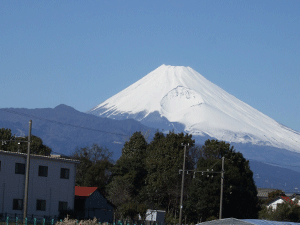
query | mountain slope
(179,98)
(64,129)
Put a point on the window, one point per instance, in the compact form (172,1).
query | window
(20,168)
(64,173)
(43,171)
(62,206)
(40,205)
(17,204)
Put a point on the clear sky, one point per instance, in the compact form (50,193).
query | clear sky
(80,53)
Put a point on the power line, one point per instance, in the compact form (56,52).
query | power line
(275,164)
(61,123)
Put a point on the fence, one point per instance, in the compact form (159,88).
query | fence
(17,219)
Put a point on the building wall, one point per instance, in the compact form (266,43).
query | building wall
(274,204)
(51,188)
(97,206)
(155,215)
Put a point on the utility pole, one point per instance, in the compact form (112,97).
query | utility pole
(204,171)
(222,184)
(182,185)
(27,174)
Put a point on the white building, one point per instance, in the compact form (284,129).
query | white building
(157,216)
(51,184)
(282,199)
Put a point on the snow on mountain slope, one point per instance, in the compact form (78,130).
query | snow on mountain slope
(181,95)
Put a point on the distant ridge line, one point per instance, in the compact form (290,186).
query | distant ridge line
(60,123)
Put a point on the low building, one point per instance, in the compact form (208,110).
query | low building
(263,193)
(90,203)
(280,200)
(157,216)
(154,216)
(51,186)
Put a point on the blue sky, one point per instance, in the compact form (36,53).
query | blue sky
(80,53)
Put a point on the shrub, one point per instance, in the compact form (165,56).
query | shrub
(68,221)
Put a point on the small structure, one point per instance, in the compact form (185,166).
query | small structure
(90,203)
(157,216)
(263,193)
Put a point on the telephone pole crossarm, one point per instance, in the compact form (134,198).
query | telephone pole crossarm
(205,171)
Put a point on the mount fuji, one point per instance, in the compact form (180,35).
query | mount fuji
(179,98)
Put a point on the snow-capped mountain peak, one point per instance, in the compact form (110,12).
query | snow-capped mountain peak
(181,98)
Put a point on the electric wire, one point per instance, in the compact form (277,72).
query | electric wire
(275,164)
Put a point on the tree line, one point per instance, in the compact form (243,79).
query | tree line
(146,176)
(12,143)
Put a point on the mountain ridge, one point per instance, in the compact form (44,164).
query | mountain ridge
(181,97)
(64,129)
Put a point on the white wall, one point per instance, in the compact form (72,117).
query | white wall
(155,215)
(274,204)
(51,188)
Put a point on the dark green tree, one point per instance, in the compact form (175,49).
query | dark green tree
(164,160)
(275,194)
(95,166)
(240,194)
(36,147)
(120,191)
(20,144)
(132,162)
(5,137)
(147,175)
(128,177)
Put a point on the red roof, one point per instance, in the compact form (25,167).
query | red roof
(84,191)
(287,199)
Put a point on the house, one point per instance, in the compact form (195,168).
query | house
(50,188)
(281,199)
(90,203)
